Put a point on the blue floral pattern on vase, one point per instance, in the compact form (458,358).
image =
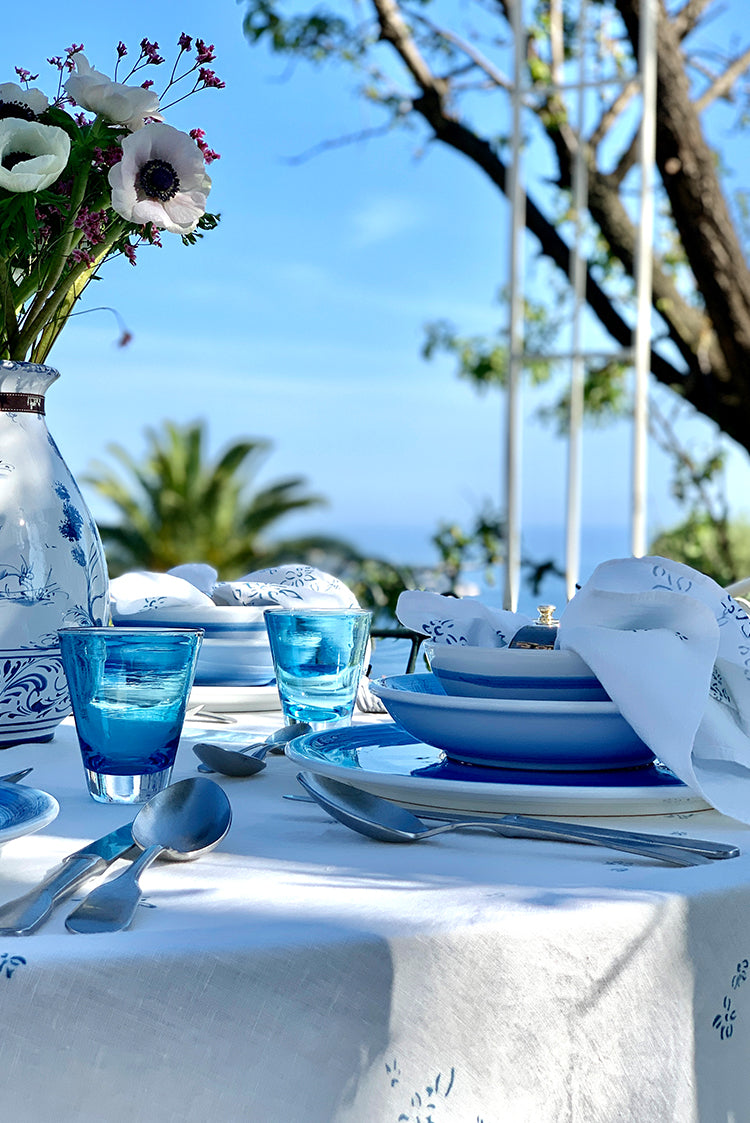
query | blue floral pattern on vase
(52,568)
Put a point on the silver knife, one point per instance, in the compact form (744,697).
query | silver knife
(23,915)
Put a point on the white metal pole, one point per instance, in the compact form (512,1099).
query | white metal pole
(643,275)
(515,333)
(578,281)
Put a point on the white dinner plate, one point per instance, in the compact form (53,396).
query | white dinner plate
(229,699)
(388,761)
(24,810)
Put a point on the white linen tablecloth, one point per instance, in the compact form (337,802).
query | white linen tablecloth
(303,974)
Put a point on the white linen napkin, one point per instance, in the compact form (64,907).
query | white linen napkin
(670,647)
(287,585)
(672,650)
(462,620)
(144,591)
(194,585)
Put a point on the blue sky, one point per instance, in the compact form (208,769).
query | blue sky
(301,318)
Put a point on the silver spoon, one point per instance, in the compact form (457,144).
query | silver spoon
(249,759)
(388,822)
(526,827)
(183,822)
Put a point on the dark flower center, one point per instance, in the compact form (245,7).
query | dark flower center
(13,158)
(158,180)
(16,109)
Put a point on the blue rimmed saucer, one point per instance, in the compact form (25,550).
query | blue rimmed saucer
(24,810)
(390,762)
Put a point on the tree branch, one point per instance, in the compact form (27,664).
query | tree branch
(688,170)
(721,86)
(688,16)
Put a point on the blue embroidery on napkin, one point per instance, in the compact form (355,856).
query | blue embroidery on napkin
(669,581)
(441,630)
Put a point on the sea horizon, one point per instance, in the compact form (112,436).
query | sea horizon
(407,545)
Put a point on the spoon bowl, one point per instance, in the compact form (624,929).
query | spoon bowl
(181,823)
(248,760)
(186,820)
(232,762)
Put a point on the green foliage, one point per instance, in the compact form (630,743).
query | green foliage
(483,360)
(699,541)
(315,36)
(480,548)
(176,505)
(605,397)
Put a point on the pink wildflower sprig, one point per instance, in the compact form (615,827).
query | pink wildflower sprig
(65,65)
(25,75)
(148,56)
(205,54)
(203,77)
(105,158)
(122,50)
(208,80)
(199,137)
(91,224)
(82,257)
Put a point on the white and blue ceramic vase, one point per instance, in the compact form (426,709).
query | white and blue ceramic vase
(52,568)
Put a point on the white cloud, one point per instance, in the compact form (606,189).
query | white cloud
(383,218)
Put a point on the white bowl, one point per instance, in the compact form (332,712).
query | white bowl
(235,649)
(514,672)
(513,733)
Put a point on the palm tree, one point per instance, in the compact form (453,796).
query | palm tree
(175,506)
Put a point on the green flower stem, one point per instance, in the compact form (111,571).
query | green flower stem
(69,289)
(10,330)
(38,313)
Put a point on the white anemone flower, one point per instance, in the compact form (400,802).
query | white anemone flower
(161,179)
(17,102)
(32,156)
(120,104)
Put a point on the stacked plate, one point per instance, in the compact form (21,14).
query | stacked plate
(514,708)
(235,651)
(499,730)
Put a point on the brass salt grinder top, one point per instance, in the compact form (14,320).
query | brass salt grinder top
(541,634)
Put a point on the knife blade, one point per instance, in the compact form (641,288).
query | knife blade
(24,914)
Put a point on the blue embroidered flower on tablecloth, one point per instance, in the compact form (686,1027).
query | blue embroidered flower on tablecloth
(740,975)
(8,964)
(724,1022)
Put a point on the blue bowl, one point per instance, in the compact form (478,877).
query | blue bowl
(512,732)
(509,672)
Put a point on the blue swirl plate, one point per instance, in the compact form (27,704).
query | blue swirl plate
(24,810)
(389,762)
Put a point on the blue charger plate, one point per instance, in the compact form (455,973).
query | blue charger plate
(389,761)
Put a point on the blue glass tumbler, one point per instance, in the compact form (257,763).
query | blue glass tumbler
(129,688)
(318,654)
